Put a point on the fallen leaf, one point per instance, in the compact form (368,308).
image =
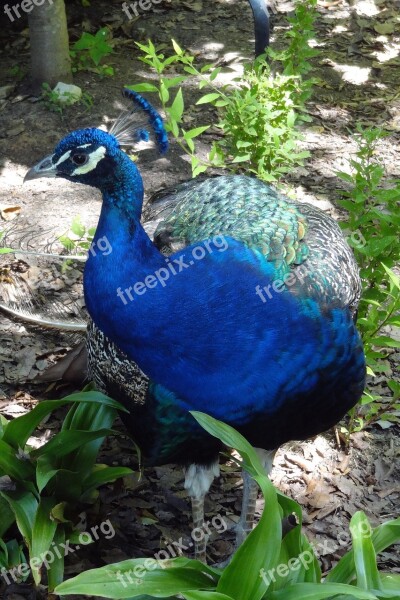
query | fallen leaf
(8,213)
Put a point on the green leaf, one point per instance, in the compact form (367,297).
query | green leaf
(392,276)
(43,532)
(86,417)
(7,516)
(206,596)
(241,158)
(19,430)
(55,573)
(384,342)
(16,468)
(102,474)
(177,49)
(208,98)
(192,133)
(143,87)
(77,228)
(375,247)
(24,506)
(45,471)
(261,548)
(176,108)
(317,591)
(364,552)
(67,441)
(382,537)
(140,576)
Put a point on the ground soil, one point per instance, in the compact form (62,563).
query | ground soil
(359,83)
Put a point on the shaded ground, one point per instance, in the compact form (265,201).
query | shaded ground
(359,72)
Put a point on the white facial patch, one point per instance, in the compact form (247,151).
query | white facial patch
(94,159)
(65,156)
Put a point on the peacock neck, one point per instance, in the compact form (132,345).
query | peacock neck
(121,255)
(123,190)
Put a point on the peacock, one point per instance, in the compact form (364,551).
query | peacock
(243,307)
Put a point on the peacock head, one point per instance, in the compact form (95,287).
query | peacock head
(94,157)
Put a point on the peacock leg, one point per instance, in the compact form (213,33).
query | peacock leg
(250,493)
(200,539)
(198,480)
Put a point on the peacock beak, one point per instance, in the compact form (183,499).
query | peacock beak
(44,168)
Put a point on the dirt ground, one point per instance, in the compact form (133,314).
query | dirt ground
(359,69)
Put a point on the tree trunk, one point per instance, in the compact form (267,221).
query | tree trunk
(50,60)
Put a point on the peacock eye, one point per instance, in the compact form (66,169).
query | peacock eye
(79,159)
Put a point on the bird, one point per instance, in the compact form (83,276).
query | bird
(243,307)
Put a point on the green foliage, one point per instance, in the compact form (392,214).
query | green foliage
(259,120)
(17,72)
(258,113)
(54,103)
(295,57)
(264,567)
(88,52)
(373,227)
(46,486)
(79,236)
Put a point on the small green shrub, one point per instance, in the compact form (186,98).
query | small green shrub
(43,489)
(88,52)
(257,114)
(264,567)
(373,226)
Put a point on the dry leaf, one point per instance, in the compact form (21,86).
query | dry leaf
(8,213)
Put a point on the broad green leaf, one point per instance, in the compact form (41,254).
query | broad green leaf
(7,516)
(16,468)
(390,582)
(45,471)
(364,552)
(206,596)
(24,506)
(136,577)
(86,417)
(43,532)
(382,537)
(262,546)
(19,430)
(55,573)
(318,591)
(102,474)
(67,441)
